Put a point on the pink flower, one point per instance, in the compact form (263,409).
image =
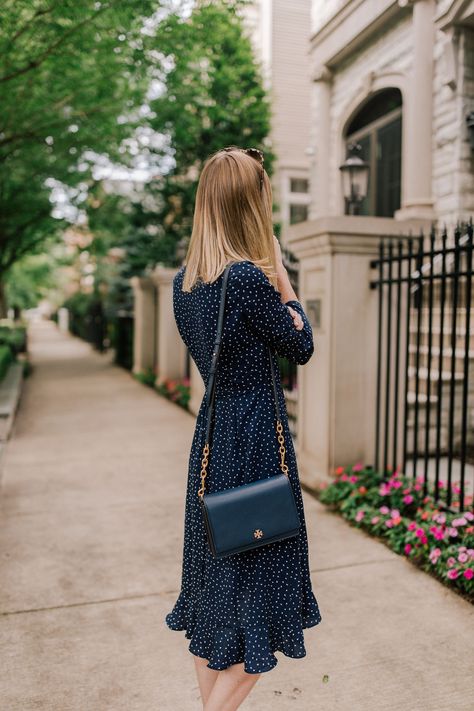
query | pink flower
(463,557)
(375,519)
(471,552)
(384,489)
(419,532)
(359,515)
(344,477)
(408,548)
(384,509)
(440,518)
(412,525)
(357,467)
(424,540)
(417,487)
(395,513)
(469,516)
(389,523)
(459,521)
(451,561)
(452,531)
(469,573)
(452,574)
(397,484)
(353,478)
(434,555)
(408,499)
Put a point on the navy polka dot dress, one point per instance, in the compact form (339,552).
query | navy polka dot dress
(247,606)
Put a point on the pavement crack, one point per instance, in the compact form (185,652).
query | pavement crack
(353,565)
(86,603)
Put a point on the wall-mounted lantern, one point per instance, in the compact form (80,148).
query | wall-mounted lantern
(355,179)
(470,128)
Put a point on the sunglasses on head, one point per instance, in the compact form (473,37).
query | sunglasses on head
(253,153)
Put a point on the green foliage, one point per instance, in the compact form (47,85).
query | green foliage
(13,336)
(68,71)
(6,357)
(146,377)
(29,280)
(213,97)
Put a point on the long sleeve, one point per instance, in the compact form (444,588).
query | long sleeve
(268,317)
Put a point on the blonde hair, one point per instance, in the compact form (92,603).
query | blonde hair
(232,218)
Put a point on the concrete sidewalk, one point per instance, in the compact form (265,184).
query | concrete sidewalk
(91,524)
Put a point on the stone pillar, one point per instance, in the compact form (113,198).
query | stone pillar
(170,349)
(197,388)
(417,199)
(337,387)
(144,307)
(320,168)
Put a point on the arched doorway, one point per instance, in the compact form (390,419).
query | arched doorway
(377,128)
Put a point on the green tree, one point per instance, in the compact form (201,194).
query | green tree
(30,279)
(73,75)
(213,96)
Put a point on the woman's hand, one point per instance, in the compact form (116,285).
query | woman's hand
(297,320)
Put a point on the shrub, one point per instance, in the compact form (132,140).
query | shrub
(403,512)
(13,336)
(6,357)
(146,377)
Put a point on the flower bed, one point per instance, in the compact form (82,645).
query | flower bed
(406,516)
(177,390)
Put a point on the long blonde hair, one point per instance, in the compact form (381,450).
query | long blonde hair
(232,218)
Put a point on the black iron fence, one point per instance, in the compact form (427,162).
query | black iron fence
(425,355)
(123,326)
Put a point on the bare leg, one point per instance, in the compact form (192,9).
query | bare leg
(233,685)
(206,677)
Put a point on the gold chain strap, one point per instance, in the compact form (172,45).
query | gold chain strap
(281,449)
(204,462)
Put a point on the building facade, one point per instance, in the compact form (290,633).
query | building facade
(397,78)
(280,33)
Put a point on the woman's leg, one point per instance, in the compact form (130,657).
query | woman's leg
(233,685)
(206,677)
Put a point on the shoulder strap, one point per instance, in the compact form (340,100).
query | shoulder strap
(211,390)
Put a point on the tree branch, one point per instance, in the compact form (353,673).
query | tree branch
(29,23)
(34,63)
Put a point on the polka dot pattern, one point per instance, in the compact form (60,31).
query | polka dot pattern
(245,607)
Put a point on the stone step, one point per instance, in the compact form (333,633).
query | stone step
(446,357)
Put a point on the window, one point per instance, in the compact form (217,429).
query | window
(298,213)
(377,128)
(299,185)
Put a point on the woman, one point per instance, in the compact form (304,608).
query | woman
(237,611)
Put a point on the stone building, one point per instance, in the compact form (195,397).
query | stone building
(398,78)
(279,30)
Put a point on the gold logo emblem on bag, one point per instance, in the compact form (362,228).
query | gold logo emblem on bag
(258,533)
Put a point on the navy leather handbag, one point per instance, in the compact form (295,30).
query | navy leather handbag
(250,515)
